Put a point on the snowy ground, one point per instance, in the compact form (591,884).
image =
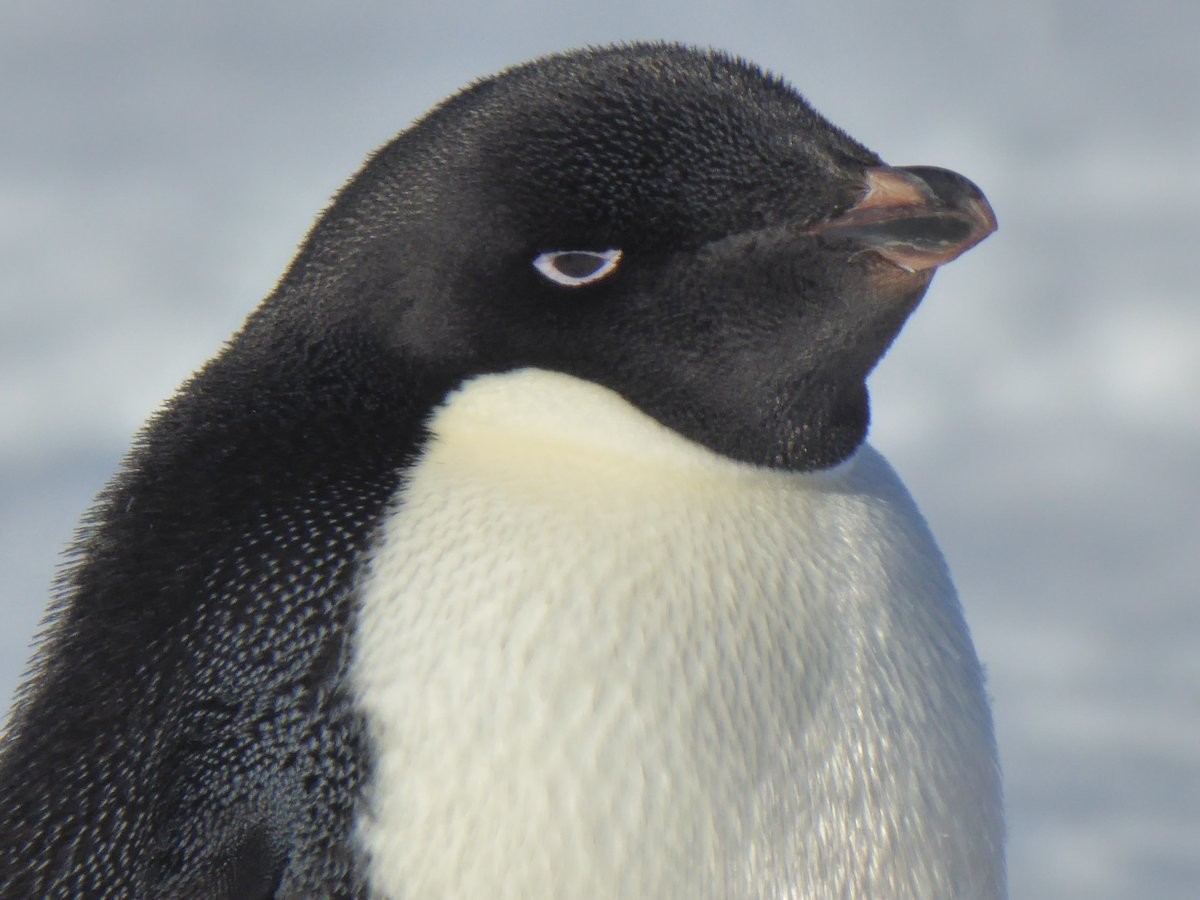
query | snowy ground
(158,166)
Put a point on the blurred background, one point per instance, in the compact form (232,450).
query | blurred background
(159,164)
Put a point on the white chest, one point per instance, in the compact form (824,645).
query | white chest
(599,661)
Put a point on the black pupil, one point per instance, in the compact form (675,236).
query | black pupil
(578,264)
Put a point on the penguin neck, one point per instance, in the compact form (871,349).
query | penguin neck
(535,413)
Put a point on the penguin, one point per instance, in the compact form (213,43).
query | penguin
(525,541)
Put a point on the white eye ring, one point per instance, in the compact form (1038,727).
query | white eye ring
(575,268)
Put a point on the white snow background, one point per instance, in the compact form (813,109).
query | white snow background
(160,162)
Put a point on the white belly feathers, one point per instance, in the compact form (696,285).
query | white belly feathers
(598,660)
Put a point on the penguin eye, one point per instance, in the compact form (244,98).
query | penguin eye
(575,268)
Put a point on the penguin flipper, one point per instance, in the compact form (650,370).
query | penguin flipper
(251,868)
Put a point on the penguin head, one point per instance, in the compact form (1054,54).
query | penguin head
(672,224)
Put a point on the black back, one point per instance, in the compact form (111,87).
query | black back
(188,733)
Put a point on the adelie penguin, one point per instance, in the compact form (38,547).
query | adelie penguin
(524,542)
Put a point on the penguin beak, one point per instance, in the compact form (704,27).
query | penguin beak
(917,217)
